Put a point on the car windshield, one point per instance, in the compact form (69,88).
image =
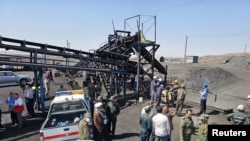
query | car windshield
(67,106)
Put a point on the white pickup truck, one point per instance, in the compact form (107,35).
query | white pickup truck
(65,112)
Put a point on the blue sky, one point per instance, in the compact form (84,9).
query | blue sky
(213,27)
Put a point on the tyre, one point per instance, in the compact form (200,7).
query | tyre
(23,81)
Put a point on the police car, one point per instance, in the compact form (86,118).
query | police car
(65,112)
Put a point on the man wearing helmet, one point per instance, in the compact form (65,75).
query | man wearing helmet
(247,110)
(239,117)
(203,95)
(173,92)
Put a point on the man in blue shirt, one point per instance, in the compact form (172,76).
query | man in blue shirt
(11,101)
(203,95)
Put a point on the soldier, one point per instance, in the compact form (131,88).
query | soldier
(238,118)
(186,126)
(112,111)
(84,127)
(203,128)
(181,94)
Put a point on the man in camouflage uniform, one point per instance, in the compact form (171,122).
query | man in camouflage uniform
(203,128)
(112,111)
(238,118)
(186,126)
(84,127)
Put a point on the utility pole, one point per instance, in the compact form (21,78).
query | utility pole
(185,53)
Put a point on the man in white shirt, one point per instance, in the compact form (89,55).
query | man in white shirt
(161,127)
(29,99)
(18,109)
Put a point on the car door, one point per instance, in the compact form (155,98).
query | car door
(2,77)
(11,77)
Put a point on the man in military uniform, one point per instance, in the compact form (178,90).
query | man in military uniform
(112,111)
(84,127)
(203,128)
(186,127)
(239,117)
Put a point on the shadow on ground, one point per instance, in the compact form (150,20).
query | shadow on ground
(125,135)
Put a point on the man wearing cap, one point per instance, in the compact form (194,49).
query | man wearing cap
(84,127)
(203,128)
(112,110)
(247,109)
(173,92)
(100,122)
(239,117)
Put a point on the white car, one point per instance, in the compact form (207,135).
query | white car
(11,78)
(65,112)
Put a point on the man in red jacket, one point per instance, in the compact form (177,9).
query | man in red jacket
(18,109)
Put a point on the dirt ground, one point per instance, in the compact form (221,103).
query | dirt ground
(228,80)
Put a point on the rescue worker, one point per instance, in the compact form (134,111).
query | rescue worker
(181,94)
(173,92)
(203,95)
(84,127)
(186,127)
(112,111)
(203,128)
(158,94)
(247,109)
(238,118)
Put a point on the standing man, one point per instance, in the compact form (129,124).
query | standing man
(91,91)
(173,92)
(29,99)
(84,127)
(161,127)
(153,86)
(11,101)
(203,128)
(146,125)
(112,111)
(170,115)
(18,109)
(203,95)
(186,126)
(181,94)
(100,123)
(158,94)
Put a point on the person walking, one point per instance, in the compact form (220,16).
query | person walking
(202,132)
(203,95)
(170,115)
(161,126)
(112,111)
(11,101)
(18,109)
(239,117)
(145,125)
(186,127)
(181,94)
(84,127)
(100,123)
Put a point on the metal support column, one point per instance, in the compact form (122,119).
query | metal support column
(138,72)
(42,92)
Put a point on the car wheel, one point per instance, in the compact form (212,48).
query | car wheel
(23,81)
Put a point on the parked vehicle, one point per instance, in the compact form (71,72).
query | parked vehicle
(13,78)
(65,112)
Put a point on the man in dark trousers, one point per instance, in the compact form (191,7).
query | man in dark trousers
(145,125)
(112,111)
(91,91)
